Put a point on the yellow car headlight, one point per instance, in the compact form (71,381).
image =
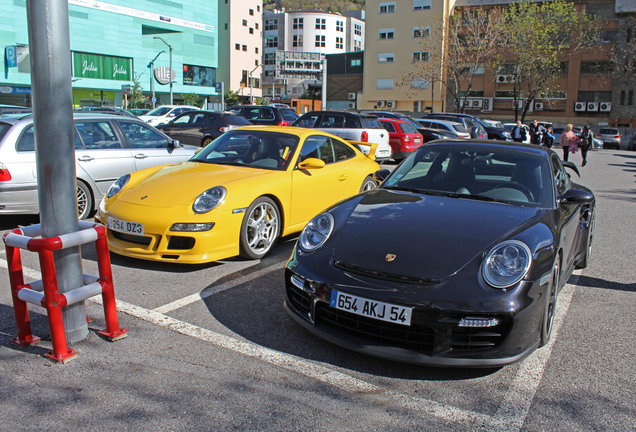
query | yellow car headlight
(209,199)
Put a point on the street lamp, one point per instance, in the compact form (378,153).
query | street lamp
(171,77)
(151,66)
(250,79)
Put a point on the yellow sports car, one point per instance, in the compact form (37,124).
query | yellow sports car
(235,197)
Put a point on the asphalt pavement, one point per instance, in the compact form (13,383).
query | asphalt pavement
(210,348)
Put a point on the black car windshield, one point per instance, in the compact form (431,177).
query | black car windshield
(485,172)
(254,149)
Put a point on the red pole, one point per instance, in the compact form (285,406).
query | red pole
(54,302)
(112,331)
(21,310)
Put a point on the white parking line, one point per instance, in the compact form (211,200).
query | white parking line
(509,417)
(216,289)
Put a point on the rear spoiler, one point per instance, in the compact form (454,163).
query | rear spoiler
(374,146)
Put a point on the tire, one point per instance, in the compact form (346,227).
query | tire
(550,305)
(260,228)
(368,184)
(588,246)
(206,141)
(84,200)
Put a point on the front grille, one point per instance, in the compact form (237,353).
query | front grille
(298,299)
(142,240)
(382,275)
(415,337)
(471,338)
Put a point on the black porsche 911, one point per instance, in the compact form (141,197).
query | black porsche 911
(457,258)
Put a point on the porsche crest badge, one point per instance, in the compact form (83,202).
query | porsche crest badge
(390,257)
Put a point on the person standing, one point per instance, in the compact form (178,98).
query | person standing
(569,141)
(519,132)
(535,133)
(587,141)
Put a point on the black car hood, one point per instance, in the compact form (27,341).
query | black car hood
(432,237)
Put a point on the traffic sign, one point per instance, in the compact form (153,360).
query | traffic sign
(10,55)
(154,99)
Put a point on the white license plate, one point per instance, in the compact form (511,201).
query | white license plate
(383,152)
(125,226)
(371,308)
(416,140)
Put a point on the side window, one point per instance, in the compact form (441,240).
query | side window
(351,123)
(27,140)
(78,141)
(332,121)
(267,114)
(317,146)
(388,126)
(142,136)
(342,151)
(308,121)
(199,119)
(182,120)
(98,135)
(561,178)
(251,113)
(288,115)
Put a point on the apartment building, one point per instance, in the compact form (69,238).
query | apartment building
(295,44)
(240,47)
(394,33)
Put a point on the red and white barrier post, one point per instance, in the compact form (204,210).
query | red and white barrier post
(45,292)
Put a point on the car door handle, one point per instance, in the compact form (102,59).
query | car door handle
(85,158)
(140,156)
(343,177)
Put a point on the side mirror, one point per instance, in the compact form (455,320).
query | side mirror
(380,175)
(577,196)
(572,167)
(311,163)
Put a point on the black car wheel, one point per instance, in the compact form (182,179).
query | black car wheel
(206,141)
(260,228)
(550,304)
(588,245)
(84,200)
(368,184)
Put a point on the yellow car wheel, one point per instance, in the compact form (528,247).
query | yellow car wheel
(260,228)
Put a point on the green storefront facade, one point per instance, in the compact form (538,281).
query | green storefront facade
(113,42)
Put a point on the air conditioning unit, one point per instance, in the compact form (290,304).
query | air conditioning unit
(605,106)
(417,106)
(461,102)
(592,106)
(520,103)
(486,105)
(504,79)
(352,96)
(580,106)
(538,106)
(391,104)
(380,104)
(476,103)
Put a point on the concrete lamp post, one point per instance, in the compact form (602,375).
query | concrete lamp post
(151,66)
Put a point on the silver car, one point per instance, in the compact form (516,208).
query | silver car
(106,147)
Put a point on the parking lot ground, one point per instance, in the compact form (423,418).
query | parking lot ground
(200,348)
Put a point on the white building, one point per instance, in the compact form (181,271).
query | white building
(240,46)
(304,31)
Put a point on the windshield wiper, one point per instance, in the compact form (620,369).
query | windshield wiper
(403,188)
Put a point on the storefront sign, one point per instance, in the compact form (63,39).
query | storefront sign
(15,90)
(199,75)
(163,75)
(87,65)
(11,56)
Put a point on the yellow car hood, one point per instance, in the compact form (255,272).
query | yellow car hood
(181,183)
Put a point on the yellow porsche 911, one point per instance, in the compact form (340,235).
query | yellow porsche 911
(237,196)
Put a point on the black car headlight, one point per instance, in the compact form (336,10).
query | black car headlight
(506,264)
(316,232)
(209,199)
(116,187)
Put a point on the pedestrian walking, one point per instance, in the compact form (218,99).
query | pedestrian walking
(586,142)
(548,138)
(536,132)
(519,132)
(569,141)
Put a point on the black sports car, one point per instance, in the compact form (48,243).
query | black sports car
(471,243)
